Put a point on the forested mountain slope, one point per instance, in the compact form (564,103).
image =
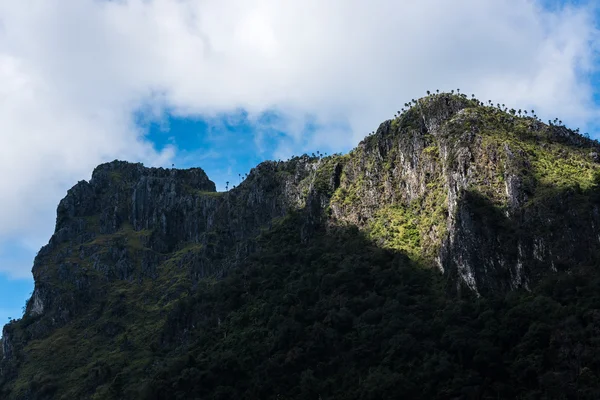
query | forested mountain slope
(452,254)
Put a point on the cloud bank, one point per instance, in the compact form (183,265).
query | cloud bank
(73,73)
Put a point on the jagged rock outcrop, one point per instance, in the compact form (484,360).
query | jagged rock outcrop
(129,219)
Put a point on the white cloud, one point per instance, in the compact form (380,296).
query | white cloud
(72,72)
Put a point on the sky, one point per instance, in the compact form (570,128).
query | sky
(224,85)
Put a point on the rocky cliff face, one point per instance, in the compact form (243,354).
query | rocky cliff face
(129,220)
(494,201)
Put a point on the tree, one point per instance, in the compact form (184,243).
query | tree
(227,185)
(428,93)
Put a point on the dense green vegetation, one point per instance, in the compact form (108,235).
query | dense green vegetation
(335,317)
(340,318)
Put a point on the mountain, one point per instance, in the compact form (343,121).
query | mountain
(453,254)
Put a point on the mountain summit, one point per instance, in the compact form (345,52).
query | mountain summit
(443,257)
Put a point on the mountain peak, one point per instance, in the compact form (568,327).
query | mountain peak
(450,197)
(130,172)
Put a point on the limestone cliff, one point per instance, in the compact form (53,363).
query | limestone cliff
(494,199)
